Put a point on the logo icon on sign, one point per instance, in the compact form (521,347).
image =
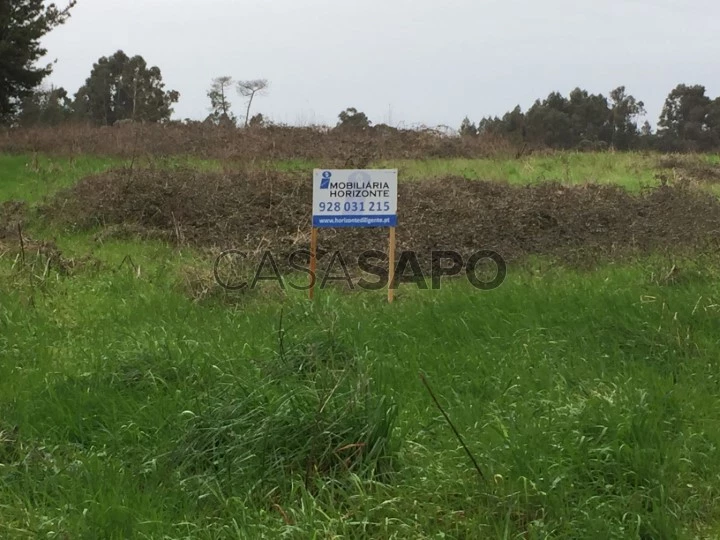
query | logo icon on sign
(325,182)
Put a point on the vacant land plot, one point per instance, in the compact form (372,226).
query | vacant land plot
(140,400)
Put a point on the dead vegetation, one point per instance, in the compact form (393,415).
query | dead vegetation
(35,257)
(270,210)
(352,149)
(12,215)
(682,168)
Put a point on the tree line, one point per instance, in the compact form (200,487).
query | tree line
(690,121)
(121,88)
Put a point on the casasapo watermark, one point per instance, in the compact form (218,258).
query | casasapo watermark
(237,270)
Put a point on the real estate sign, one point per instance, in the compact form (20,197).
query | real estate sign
(355,198)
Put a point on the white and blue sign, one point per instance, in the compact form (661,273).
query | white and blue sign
(355,198)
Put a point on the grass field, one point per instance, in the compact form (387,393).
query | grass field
(628,170)
(32,177)
(131,409)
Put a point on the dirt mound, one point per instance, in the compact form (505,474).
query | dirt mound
(272,210)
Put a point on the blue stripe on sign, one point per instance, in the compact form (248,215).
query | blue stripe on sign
(388,220)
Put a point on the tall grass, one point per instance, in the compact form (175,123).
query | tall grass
(589,399)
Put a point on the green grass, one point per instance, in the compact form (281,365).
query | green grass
(589,398)
(630,170)
(625,169)
(31,178)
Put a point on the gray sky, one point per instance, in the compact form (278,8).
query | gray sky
(401,61)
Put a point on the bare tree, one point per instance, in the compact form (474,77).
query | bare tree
(248,89)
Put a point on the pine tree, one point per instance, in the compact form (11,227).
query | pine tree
(23,23)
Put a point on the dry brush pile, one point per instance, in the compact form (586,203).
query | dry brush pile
(272,210)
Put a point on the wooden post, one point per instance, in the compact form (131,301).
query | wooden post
(313,261)
(391,269)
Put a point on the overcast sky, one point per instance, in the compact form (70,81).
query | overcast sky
(400,61)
